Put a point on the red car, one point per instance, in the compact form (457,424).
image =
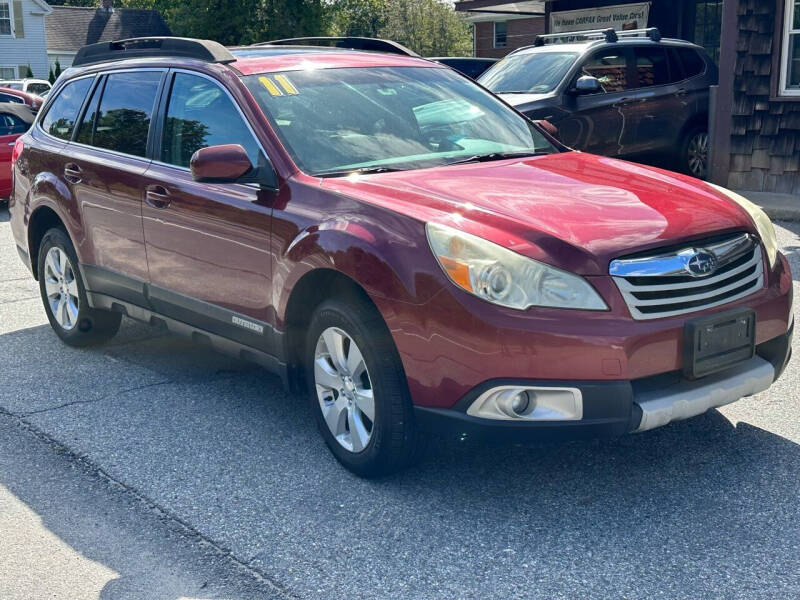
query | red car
(15,119)
(8,95)
(396,243)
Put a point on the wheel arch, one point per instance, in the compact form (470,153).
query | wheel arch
(43,219)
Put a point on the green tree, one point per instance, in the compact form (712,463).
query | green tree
(52,76)
(57,71)
(29,72)
(429,27)
(360,18)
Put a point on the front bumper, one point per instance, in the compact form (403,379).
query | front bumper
(612,409)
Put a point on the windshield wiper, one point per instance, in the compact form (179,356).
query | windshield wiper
(361,171)
(497,156)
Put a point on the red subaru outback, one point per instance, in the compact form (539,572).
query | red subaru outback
(396,241)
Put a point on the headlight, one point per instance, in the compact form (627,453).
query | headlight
(763,225)
(506,278)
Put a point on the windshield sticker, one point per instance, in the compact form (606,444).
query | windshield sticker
(286,85)
(273,89)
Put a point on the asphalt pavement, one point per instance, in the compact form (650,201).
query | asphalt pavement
(153,468)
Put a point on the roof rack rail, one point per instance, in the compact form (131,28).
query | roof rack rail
(609,35)
(351,43)
(170,47)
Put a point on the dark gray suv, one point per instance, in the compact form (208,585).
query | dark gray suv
(626,94)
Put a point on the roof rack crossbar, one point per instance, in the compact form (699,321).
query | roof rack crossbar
(152,47)
(609,35)
(351,43)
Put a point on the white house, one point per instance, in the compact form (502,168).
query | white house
(22,38)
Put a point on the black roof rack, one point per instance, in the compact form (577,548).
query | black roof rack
(170,47)
(351,43)
(609,35)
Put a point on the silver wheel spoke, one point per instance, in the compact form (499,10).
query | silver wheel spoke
(334,340)
(51,287)
(51,263)
(355,362)
(359,435)
(64,263)
(366,403)
(72,311)
(335,414)
(325,377)
(72,288)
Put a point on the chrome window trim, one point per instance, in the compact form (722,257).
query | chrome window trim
(51,99)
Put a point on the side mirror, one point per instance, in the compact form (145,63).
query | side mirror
(586,84)
(220,164)
(548,127)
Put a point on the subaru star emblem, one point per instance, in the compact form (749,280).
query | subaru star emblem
(702,263)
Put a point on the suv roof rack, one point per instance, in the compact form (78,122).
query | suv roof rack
(150,47)
(609,35)
(351,43)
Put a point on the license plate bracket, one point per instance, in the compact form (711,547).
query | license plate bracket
(715,343)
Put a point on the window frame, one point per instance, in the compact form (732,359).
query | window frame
(159,126)
(494,34)
(672,79)
(786,32)
(51,100)
(625,51)
(13,70)
(11,33)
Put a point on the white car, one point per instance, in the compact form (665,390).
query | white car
(37,87)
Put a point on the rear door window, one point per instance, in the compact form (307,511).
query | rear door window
(63,113)
(126,109)
(10,98)
(201,114)
(11,125)
(610,67)
(652,66)
(693,64)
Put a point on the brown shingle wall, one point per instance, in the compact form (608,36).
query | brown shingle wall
(520,32)
(765,134)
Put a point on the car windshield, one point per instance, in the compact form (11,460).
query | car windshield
(528,73)
(12,85)
(389,118)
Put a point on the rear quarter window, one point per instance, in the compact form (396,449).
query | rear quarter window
(693,64)
(63,112)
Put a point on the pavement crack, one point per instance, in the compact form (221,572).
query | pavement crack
(94,400)
(178,524)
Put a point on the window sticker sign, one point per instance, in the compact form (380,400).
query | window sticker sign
(620,17)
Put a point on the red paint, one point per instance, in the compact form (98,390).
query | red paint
(35,102)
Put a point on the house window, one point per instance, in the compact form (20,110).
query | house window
(500,35)
(5,18)
(790,57)
(8,73)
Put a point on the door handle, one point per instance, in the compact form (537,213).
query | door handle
(73,173)
(157,196)
(12,144)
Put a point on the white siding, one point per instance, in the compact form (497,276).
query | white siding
(30,50)
(64,59)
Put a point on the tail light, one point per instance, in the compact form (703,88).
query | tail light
(19,146)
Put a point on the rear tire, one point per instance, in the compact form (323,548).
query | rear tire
(693,155)
(358,390)
(64,295)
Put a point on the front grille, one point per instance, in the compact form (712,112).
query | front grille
(664,285)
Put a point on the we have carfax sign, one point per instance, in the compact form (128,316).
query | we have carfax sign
(621,16)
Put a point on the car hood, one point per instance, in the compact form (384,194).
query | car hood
(520,99)
(573,210)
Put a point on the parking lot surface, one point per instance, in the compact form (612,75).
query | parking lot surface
(154,465)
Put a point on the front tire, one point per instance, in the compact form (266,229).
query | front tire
(64,295)
(358,390)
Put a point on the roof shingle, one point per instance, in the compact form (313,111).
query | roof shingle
(69,28)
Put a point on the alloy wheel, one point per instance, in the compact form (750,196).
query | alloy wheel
(344,389)
(62,288)
(697,154)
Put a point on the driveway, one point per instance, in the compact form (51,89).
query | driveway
(172,450)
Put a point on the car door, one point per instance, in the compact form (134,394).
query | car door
(655,112)
(597,122)
(207,244)
(103,166)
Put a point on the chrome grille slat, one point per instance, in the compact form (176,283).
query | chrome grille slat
(648,298)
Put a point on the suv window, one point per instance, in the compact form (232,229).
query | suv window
(86,128)
(201,114)
(10,125)
(38,88)
(610,68)
(62,114)
(126,108)
(693,64)
(10,98)
(652,66)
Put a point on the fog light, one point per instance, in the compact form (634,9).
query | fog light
(520,403)
(529,404)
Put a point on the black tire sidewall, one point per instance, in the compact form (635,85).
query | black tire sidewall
(92,325)
(390,388)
